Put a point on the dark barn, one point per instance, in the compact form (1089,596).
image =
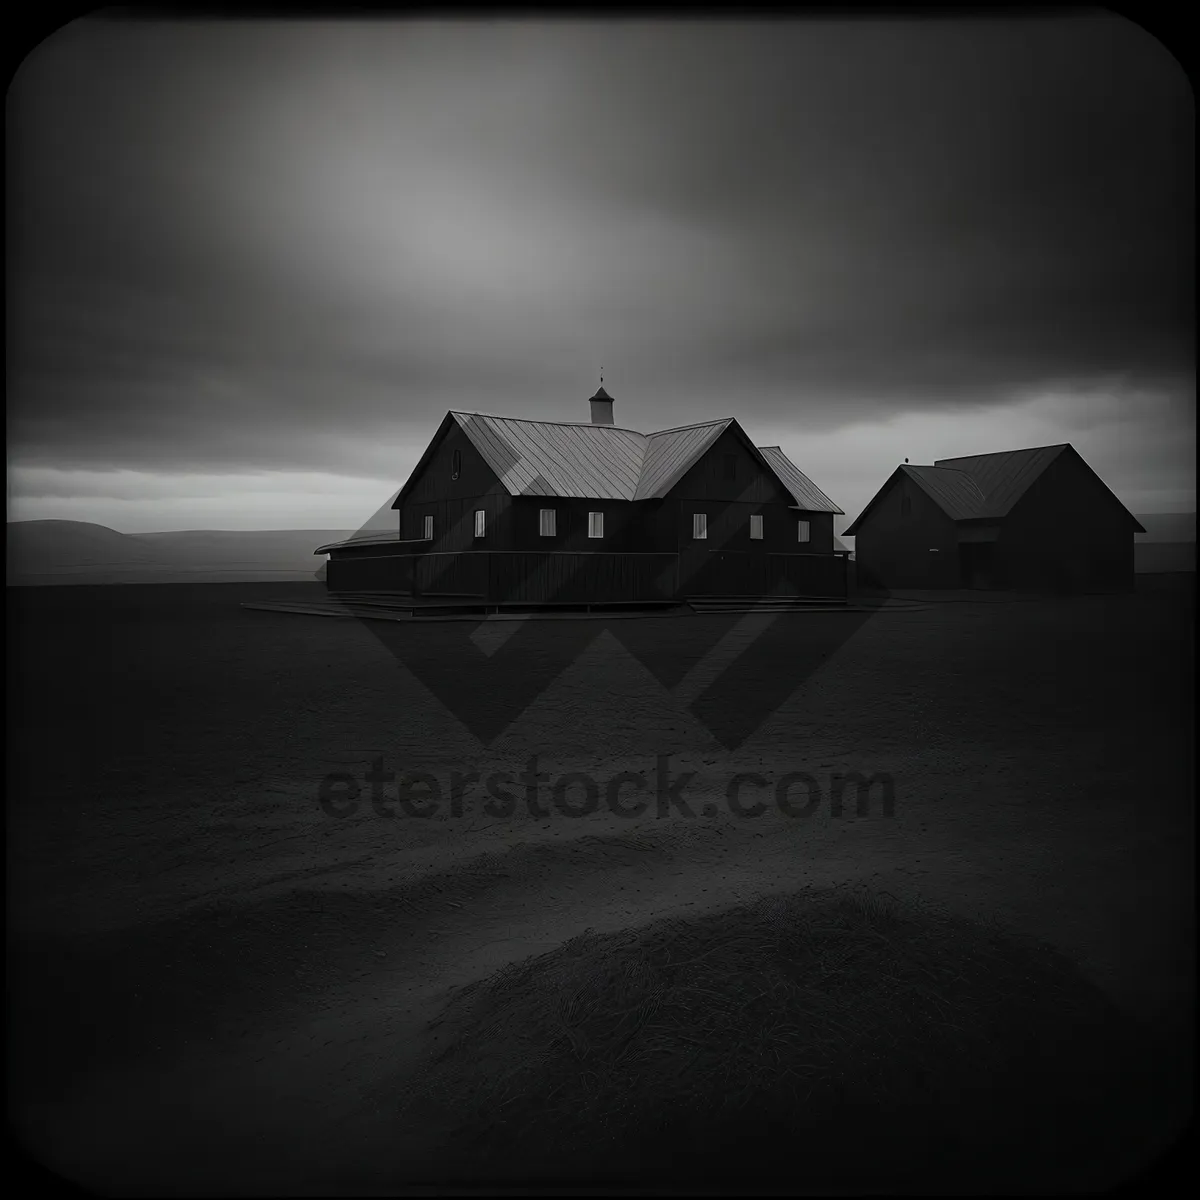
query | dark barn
(1035,520)
(509,510)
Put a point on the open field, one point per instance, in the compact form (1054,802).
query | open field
(217,985)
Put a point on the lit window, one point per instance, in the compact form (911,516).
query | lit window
(546,524)
(699,525)
(802,534)
(480,522)
(429,528)
(756,526)
(595,524)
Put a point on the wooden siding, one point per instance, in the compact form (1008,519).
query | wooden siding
(435,481)
(1067,532)
(587,577)
(454,522)
(820,533)
(624,525)
(741,573)
(441,574)
(452,502)
(729,503)
(752,483)
(729,528)
(580,578)
(356,572)
(917,550)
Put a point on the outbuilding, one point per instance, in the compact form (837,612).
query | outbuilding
(1031,520)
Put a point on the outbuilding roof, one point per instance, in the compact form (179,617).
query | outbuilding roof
(956,492)
(979,486)
(1006,476)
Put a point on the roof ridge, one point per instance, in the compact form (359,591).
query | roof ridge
(464,412)
(693,425)
(936,467)
(993,453)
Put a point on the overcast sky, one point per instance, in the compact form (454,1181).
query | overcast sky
(252,264)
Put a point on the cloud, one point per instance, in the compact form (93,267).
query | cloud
(1140,445)
(289,247)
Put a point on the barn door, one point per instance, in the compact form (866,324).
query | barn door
(975,565)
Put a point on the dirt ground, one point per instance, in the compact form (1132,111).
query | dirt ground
(217,985)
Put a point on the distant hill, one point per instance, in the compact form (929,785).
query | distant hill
(39,547)
(46,552)
(261,549)
(51,552)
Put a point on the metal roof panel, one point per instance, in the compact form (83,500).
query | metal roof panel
(1006,476)
(670,453)
(955,492)
(550,458)
(806,493)
(607,462)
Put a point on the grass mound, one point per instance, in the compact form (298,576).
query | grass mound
(825,1039)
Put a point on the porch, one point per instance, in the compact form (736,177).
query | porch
(499,577)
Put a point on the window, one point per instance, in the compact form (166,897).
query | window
(699,525)
(595,524)
(730,466)
(546,525)
(480,522)
(456,464)
(802,531)
(429,528)
(756,526)
(905,506)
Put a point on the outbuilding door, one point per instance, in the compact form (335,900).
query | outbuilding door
(975,561)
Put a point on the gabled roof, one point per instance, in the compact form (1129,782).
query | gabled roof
(557,458)
(1006,476)
(955,492)
(981,486)
(806,493)
(670,454)
(579,460)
